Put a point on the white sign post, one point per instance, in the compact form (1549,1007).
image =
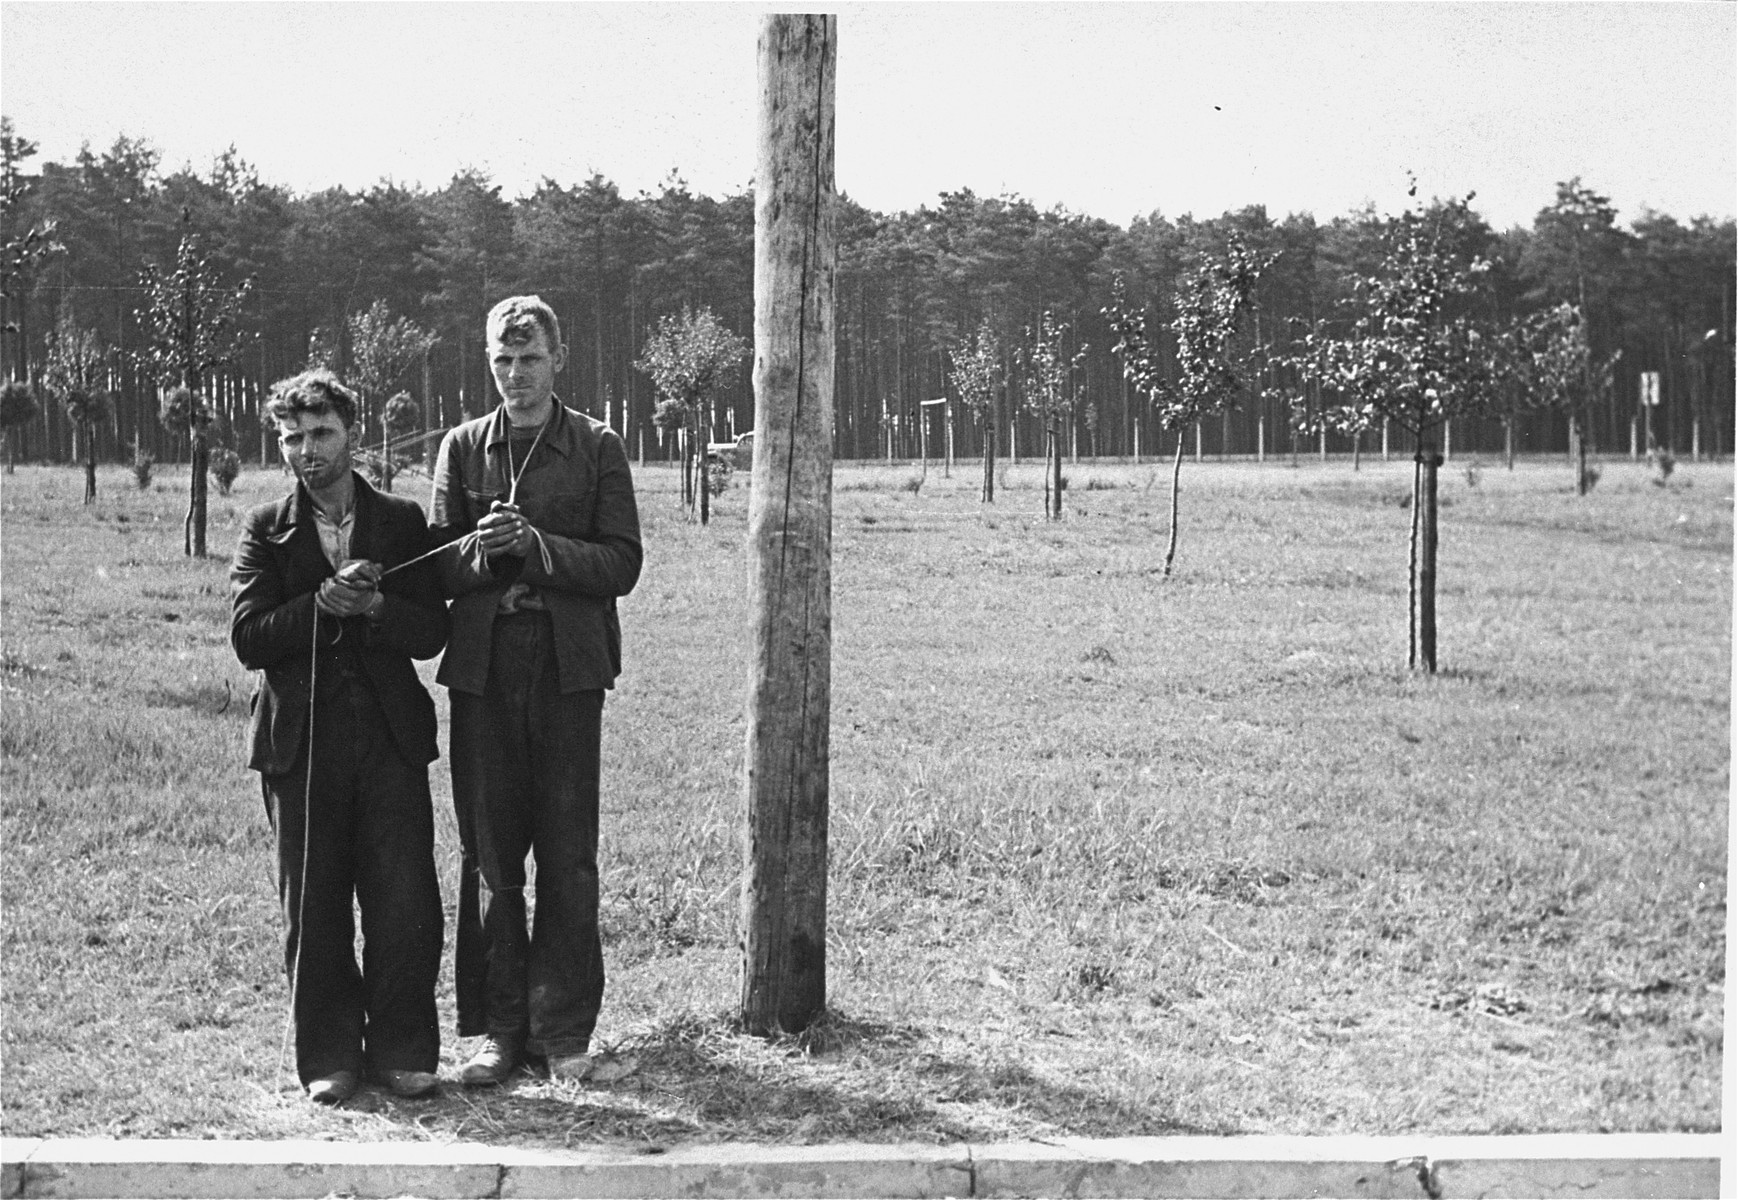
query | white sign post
(1650,400)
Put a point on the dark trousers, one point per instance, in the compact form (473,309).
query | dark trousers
(370,834)
(525,781)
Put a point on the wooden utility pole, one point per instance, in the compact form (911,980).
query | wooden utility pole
(790,517)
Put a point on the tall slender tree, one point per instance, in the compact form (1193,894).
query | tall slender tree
(76,374)
(383,347)
(977,376)
(689,357)
(1412,350)
(1211,370)
(190,318)
(1554,368)
(1051,391)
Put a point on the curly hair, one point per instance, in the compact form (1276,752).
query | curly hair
(315,391)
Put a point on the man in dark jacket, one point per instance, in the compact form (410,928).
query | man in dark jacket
(343,732)
(540,504)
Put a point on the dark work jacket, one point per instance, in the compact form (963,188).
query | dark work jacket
(278,567)
(578,494)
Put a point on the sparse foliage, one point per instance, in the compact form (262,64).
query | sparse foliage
(225,468)
(382,348)
(1556,368)
(401,416)
(689,356)
(324,351)
(190,319)
(1210,303)
(1051,391)
(976,367)
(75,375)
(1410,350)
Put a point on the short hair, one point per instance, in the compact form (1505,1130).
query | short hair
(316,391)
(516,319)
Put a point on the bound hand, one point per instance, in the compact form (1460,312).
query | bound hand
(504,530)
(351,591)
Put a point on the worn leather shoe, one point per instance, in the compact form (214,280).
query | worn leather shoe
(408,1085)
(494,1063)
(335,1088)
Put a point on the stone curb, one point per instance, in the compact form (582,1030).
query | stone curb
(1616,1165)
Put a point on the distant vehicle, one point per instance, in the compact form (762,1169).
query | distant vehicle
(737,455)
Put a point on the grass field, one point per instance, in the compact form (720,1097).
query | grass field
(1111,853)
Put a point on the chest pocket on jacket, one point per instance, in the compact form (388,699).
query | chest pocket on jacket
(566,511)
(479,502)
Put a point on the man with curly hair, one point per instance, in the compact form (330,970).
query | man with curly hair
(343,732)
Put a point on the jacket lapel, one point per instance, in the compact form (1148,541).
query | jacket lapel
(305,564)
(367,536)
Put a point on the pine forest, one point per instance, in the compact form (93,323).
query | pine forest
(327,270)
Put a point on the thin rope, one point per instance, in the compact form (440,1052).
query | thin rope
(411,562)
(517,472)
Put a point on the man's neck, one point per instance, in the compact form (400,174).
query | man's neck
(531,420)
(336,501)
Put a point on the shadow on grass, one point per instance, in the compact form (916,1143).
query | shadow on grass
(699,1079)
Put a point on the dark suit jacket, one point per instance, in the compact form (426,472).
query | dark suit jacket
(278,567)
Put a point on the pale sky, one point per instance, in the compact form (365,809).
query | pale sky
(1110,109)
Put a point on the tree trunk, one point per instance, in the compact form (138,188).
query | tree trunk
(196,503)
(600,397)
(431,446)
(1578,435)
(1425,504)
(947,463)
(90,463)
(1045,475)
(703,453)
(784,893)
(1412,562)
(922,446)
(1056,473)
(1176,479)
(684,453)
(989,424)
(195,542)
(1509,440)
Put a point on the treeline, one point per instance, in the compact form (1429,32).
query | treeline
(910,285)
